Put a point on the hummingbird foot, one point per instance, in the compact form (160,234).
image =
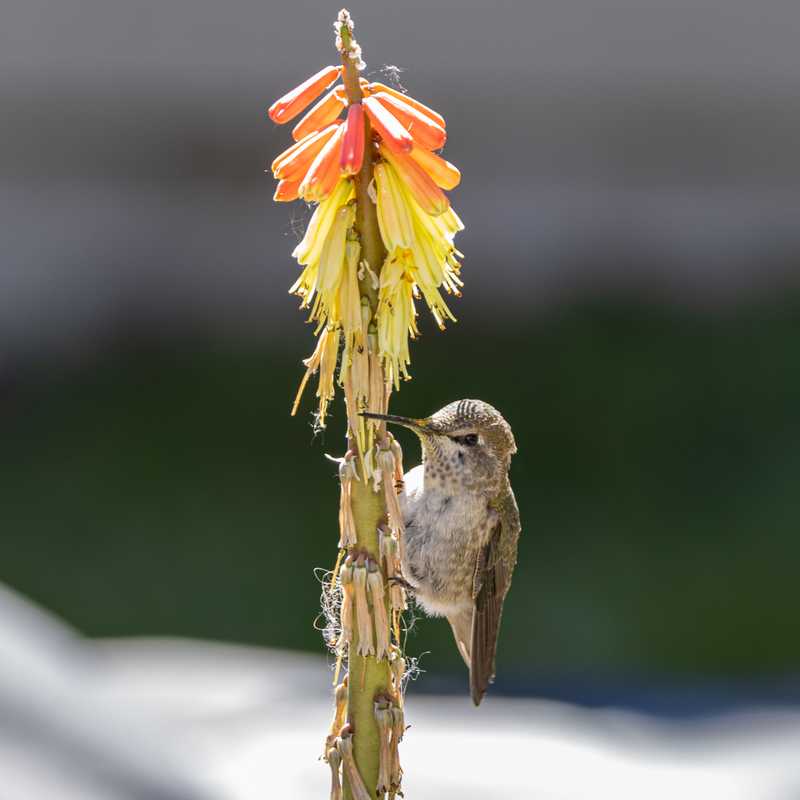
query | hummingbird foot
(390,552)
(399,580)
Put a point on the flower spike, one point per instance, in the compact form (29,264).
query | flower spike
(292,103)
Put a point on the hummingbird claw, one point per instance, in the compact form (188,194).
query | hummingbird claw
(401,581)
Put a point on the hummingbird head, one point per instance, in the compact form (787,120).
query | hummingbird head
(467,442)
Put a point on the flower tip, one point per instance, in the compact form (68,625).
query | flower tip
(424,131)
(388,127)
(286,191)
(352,155)
(323,173)
(324,113)
(292,103)
(444,174)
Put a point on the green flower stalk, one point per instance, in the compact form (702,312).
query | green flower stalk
(380,239)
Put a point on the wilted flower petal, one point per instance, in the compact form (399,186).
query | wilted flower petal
(323,359)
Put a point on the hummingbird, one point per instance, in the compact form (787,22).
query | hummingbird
(461,526)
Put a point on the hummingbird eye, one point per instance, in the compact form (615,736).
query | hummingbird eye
(468,439)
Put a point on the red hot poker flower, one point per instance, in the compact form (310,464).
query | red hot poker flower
(425,132)
(294,162)
(320,115)
(352,155)
(444,174)
(286,191)
(430,197)
(324,171)
(395,136)
(407,98)
(292,103)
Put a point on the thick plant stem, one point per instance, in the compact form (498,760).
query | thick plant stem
(368,677)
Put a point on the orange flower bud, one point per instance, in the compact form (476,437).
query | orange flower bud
(388,126)
(294,162)
(425,132)
(286,191)
(353,140)
(444,173)
(322,114)
(292,103)
(421,107)
(324,171)
(430,197)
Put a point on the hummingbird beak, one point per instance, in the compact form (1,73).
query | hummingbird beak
(416,425)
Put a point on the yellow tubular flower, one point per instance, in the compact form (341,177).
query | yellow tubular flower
(308,251)
(354,370)
(309,248)
(435,234)
(349,297)
(394,220)
(414,177)
(331,268)
(396,317)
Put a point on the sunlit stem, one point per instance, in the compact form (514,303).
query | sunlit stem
(368,677)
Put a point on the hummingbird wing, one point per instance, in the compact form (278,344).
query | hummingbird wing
(493,570)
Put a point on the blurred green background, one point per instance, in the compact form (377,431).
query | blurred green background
(631,186)
(167,491)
